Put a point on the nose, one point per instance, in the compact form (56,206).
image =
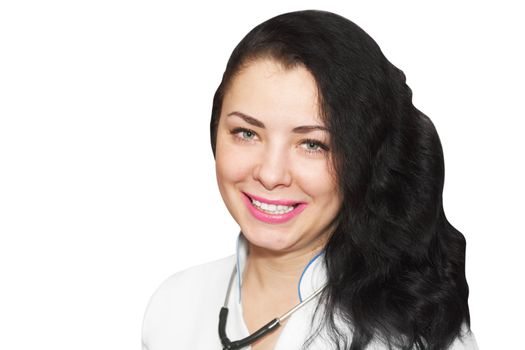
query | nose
(272,169)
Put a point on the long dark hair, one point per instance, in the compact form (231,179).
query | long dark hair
(396,266)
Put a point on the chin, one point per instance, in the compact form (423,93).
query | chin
(274,240)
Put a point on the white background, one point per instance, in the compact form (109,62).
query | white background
(107,181)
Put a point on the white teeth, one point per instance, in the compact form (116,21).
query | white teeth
(272,208)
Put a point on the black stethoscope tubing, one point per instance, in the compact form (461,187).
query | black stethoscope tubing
(261,332)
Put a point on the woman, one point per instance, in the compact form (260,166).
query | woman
(335,180)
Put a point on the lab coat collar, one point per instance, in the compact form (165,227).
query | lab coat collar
(312,278)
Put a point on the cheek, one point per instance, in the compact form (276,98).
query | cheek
(316,181)
(231,165)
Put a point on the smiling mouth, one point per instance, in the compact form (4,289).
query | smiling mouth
(273,209)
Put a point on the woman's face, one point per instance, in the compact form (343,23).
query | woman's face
(272,159)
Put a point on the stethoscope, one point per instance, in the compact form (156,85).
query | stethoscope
(264,330)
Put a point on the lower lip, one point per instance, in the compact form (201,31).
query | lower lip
(272,218)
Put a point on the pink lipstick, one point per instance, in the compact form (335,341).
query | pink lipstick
(272,211)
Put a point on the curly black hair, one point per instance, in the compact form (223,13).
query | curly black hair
(396,266)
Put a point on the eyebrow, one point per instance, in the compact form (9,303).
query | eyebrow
(303,129)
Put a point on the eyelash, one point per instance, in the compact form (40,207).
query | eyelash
(321,146)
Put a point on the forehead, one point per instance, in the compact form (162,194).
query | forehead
(267,90)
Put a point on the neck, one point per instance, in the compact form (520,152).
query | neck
(276,273)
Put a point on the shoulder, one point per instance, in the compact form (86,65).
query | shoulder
(466,340)
(192,282)
(195,278)
(185,300)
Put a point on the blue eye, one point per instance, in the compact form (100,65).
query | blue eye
(244,134)
(247,134)
(314,146)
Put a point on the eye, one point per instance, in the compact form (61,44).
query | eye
(314,146)
(244,134)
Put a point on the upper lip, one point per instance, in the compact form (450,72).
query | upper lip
(286,202)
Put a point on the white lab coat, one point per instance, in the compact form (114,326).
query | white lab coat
(184,312)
